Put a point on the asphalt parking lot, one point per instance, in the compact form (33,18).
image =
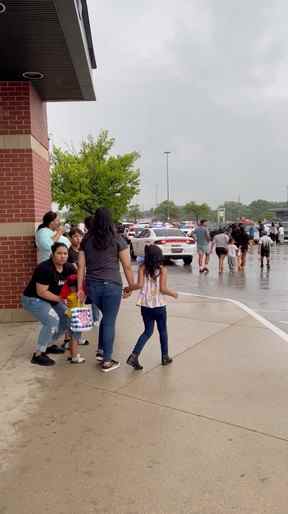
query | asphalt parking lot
(263,291)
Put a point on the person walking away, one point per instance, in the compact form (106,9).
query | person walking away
(273,232)
(202,236)
(49,232)
(243,246)
(281,233)
(252,234)
(152,282)
(265,244)
(256,236)
(42,299)
(232,255)
(101,253)
(220,242)
(261,228)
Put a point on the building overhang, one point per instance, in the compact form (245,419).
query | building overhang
(52,38)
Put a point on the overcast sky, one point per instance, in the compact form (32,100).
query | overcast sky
(204,79)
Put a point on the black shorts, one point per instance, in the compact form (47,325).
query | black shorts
(221,251)
(265,252)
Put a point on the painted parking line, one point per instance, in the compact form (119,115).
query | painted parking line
(267,324)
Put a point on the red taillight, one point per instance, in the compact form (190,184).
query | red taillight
(161,242)
(188,241)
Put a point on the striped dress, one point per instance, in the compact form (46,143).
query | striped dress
(150,295)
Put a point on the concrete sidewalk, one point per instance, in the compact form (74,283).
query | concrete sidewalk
(206,435)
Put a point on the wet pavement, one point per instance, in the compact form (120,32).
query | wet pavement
(263,291)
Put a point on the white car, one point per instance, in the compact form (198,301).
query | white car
(173,243)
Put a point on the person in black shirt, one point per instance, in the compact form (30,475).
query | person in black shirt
(41,298)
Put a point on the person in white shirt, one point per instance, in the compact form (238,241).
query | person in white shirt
(264,250)
(220,241)
(281,233)
(232,255)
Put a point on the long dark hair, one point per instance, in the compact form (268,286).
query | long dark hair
(153,261)
(47,219)
(102,231)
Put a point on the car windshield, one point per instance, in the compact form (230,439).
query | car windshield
(168,232)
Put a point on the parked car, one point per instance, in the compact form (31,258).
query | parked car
(134,232)
(172,242)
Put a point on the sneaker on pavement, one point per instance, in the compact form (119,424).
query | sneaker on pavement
(109,366)
(134,362)
(77,359)
(53,348)
(84,342)
(42,360)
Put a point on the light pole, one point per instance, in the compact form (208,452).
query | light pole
(167,181)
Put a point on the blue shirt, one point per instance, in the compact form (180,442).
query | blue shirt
(44,242)
(202,236)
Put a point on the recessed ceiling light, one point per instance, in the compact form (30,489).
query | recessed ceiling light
(2,8)
(33,75)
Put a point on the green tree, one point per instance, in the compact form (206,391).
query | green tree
(161,212)
(134,213)
(192,210)
(260,209)
(94,178)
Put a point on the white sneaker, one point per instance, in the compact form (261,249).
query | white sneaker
(78,359)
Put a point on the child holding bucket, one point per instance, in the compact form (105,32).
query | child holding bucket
(69,295)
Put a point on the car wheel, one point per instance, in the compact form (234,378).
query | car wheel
(187,260)
(132,254)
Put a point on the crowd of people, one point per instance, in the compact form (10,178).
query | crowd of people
(234,243)
(84,268)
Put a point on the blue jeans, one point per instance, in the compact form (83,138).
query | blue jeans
(53,319)
(107,297)
(150,315)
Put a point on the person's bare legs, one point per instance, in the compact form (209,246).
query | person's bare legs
(206,262)
(243,260)
(221,263)
(73,349)
(200,257)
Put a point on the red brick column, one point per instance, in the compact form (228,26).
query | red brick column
(24,191)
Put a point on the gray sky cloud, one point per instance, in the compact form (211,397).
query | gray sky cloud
(205,79)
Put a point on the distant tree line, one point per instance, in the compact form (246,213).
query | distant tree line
(234,211)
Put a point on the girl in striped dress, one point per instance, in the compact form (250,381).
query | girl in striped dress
(152,282)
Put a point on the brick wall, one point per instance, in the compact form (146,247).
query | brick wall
(42,193)
(17,262)
(15,115)
(17,192)
(25,186)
